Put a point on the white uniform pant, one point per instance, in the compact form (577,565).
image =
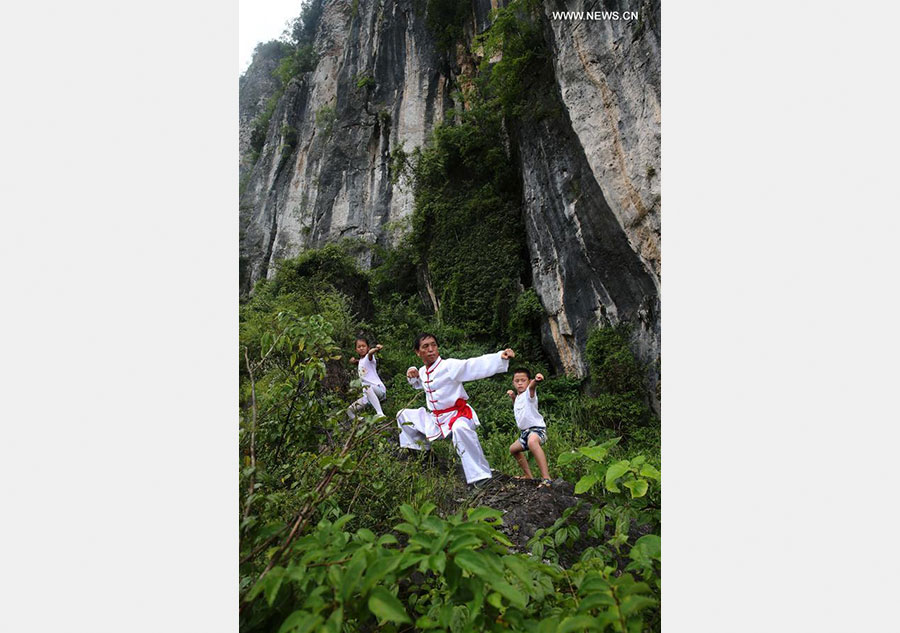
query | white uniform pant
(371,395)
(417,426)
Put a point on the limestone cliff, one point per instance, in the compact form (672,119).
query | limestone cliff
(590,178)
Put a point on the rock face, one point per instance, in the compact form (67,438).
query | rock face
(257,85)
(590,177)
(324,172)
(591,185)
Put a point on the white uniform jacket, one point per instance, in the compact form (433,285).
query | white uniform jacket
(443,386)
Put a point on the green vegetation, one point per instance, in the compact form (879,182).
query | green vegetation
(380,542)
(325,118)
(445,19)
(301,60)
(300,41)
(364,82)
(520,83)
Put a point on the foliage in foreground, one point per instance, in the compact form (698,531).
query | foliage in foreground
(453,574)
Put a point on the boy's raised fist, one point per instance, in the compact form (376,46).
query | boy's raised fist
(507,354)
(539,377)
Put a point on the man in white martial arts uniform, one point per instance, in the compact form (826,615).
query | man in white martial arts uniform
(446,410)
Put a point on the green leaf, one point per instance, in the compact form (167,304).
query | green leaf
(614,472)
(273,584)
(578,623)
(300,622)
(406,528)
(379,569)
(495,600)
(366,536)
(560,537)
(333,625)
(408,559)
(340,523)
(517,566)
(593,583)
(585,483)
(648,546)
(482,514)
(649,471)
(596,453)
(633,604)
(568,458)
(353,574)
(426,623)
(638,487)
(596,600)
(409,515)
(472,562)
(514,596)
(463,542)
(427,508)
(384,539)
(386,607)
(437,562)
(420,540)
(433,524)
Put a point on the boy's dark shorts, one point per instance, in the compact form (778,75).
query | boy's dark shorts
(540,431)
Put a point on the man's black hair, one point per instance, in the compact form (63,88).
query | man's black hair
(421,337)
(522,370)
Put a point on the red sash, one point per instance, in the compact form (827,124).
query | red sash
(462,408)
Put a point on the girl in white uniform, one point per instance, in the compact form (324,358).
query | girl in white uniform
(373,388)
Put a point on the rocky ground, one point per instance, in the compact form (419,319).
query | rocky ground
(527,507)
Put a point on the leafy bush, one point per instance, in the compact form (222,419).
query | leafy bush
(303,59)
(303,28)
(525,326)
(453,574)
(614,369)
(271,50)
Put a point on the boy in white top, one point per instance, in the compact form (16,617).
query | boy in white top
(530,422)
(446,411)
(373,388)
